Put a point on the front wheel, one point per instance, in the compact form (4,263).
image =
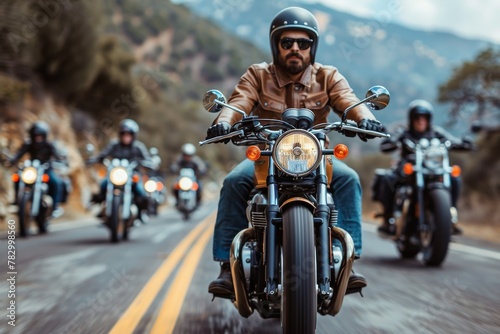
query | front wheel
(435,241)
(24,214)
(299,300)
(114,219)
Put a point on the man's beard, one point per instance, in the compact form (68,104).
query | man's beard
(295,67)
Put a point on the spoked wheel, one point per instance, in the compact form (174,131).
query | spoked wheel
(299,299)
(436,238)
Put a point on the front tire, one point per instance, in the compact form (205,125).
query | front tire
(24,214)
(438,217)
(299,302)
(114,219)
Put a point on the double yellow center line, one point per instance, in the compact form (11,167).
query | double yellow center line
(166,320)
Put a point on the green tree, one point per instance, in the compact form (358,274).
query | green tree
(474,86)
(474,92)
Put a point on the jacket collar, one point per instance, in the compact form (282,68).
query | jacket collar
(284,79)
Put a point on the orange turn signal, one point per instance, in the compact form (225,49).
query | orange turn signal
(15,177)
(195,186)
(456,171)
(45,178)
(341,151)
(253,153)
(408,168)
(135,178)
(159,186)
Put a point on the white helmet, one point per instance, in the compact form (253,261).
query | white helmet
(188,149)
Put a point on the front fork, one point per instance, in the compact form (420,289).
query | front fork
(323,239)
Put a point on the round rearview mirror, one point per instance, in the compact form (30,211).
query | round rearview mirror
(210,98)
(380,97)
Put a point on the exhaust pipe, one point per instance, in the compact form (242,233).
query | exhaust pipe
(239,282)
(333,305)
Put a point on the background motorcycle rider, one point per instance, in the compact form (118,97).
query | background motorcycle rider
(189,159)
(419,126)
(126,147)
(293,80)
(39,148)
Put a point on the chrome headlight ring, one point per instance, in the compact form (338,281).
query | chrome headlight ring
(297,153)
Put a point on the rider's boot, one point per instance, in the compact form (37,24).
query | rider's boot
(222,287)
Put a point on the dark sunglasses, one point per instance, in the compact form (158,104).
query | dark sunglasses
(303,43)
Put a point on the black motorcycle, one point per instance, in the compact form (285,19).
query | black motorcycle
(156,192)
(423,212)
(120,211)
(293,261)
(186,188)
(33,200)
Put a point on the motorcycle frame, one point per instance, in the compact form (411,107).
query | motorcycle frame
(330,300)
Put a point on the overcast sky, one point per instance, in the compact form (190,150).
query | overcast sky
(468,18)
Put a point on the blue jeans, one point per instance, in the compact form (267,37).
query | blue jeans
(55,187)
(236,188)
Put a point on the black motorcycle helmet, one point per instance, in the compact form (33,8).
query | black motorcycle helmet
(39,128)
(129,126)
(293,18)
(418,108)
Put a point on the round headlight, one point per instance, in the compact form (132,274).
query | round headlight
(118,176)
(185,183)
(150,186)
(297,152)
(29,175)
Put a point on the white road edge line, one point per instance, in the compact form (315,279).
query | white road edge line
(453,246)
(475,251)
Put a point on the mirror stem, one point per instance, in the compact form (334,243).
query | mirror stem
(231,107)
(344,115)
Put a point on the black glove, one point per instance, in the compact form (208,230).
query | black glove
(219,129)
(369,124)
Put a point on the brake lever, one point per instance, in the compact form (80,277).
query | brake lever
(368,132)
(220,138)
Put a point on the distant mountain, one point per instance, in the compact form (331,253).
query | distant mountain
(410,63)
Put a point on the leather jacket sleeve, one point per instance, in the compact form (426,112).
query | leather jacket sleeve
(22,151)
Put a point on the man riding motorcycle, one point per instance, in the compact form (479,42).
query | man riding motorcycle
(189,159)
(420,126)
(126,147)
(293,80)
(39,148)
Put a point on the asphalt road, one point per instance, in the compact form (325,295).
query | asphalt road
(73,280)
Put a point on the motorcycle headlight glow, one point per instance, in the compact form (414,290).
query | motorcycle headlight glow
(150,186)
(434,157)
(118,176)
(29,175)
(185,183)
(297,153)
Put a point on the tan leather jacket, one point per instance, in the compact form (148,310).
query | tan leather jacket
(266,91)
